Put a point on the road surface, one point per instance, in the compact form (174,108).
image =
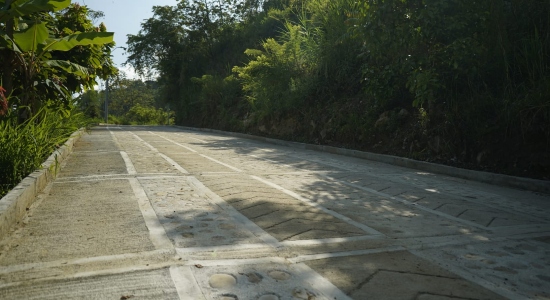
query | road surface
(164,213)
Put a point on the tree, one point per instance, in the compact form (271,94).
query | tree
(34,69)
(95,57)
(89,102)
(127,93)
(186,41)
(157,46)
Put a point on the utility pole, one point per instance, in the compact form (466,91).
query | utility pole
(107,92)
(107,101)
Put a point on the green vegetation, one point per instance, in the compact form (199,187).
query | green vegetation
(49,50)
(461,82)
(131,102)
(25,146)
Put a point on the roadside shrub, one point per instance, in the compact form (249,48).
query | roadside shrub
(279,77)
(25,146)
(148,115)
(219,100)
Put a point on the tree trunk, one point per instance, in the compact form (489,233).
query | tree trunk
(8,57)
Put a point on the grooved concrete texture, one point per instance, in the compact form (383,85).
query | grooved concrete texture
(142,212)
(66,225)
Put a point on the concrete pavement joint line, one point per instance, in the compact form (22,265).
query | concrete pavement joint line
(161,176)
(332,240)
(115,138)
(186,284)
(174,142)
(221,248)
(304,173)
(205,156)
(453,242)
(156,230)
(99,151)
(168,159)
(308,172)
(251,226)
(174,164)
(102,272)
(408,203)
(302,258)
(129,165)
(120,256)
(216,173)
(82,261)
(221,163)
(237,262)
(320,283)
(316,205)
(144,142)
(146,267)
(106,176)
(120,177)
(473,278)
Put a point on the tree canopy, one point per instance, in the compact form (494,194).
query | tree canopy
(50,50)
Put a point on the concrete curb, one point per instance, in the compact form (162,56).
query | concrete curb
(13,206)
(534,185)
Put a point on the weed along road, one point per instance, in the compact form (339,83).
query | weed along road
(166,213)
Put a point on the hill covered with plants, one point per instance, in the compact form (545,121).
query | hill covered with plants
(460,82)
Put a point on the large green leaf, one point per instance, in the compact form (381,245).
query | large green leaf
(79,39)
(30,38)
(69,67)
(20,8)
(7,43)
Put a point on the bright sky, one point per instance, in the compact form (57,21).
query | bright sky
(124,17)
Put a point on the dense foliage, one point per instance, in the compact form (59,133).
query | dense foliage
(131,102)
(25,146)
(463,82)
(49,50)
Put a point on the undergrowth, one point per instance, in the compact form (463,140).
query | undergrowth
(24,147)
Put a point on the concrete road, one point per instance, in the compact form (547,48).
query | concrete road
(163,213)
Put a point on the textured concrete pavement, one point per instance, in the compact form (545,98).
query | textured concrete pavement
(163,213)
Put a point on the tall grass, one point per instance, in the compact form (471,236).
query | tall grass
(24,147)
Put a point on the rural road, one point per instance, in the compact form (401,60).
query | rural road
(163,213)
